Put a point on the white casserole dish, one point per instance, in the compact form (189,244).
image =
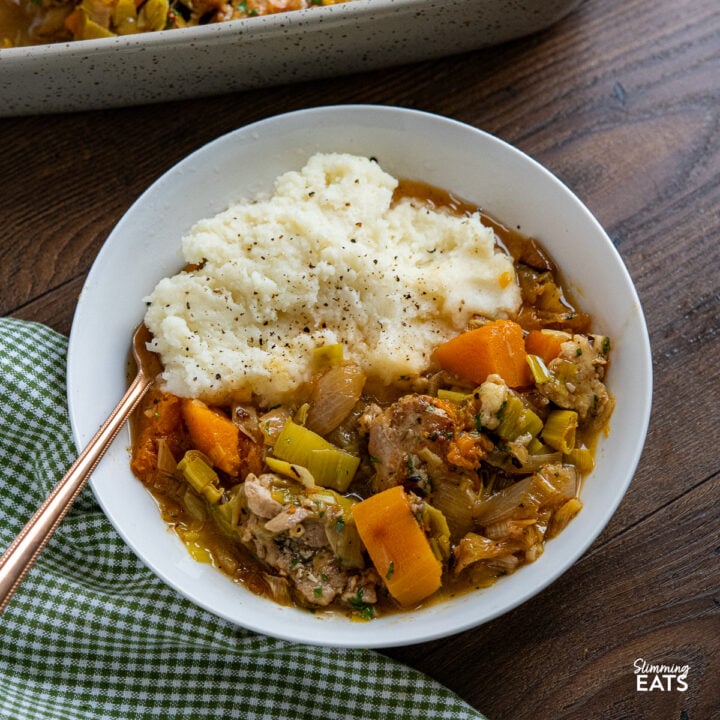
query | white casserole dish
(269,50)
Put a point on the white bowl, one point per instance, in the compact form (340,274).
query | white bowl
(268,50)
(145,246)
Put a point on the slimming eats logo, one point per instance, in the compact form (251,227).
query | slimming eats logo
(666,678)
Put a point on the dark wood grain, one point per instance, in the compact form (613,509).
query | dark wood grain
(622,102)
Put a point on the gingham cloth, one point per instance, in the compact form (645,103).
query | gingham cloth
(91,633)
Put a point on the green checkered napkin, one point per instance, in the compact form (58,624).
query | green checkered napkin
(91,633)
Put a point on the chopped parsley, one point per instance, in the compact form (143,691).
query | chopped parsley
(366,611)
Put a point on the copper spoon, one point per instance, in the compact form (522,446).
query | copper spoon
(24,550)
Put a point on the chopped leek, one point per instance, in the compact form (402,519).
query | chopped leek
(531,423)
(279,588)
(286,493)
(328,464)
(510,418)
(335,466)
(345,540)
(212,493)
(453,395)
(302,413)
(328,356)
(295,443)
(296,472)
(581,458)
(197,472)
(559,430)
(536,447)
(224,512)
(538,369)
(438,531)
(516,419)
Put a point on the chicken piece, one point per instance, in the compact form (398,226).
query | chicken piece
(407,437)
(422,441)
(489,400)
(319,580)
(288,521)
(304,535)
(258,496)
(576,378)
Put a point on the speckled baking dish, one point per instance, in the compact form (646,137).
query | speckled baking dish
(241,54)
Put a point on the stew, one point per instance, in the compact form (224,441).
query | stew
(367,499)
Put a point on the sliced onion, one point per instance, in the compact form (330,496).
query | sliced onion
(551,486)
(245,418)
(196,507)
(563,515)
(272,422)
(334,396)
(456,502)
(166,463)
(474,548)
(505,564)
(533,463)
(279,588)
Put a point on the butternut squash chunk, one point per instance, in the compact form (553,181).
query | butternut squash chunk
(496,348)
(398,547)
(213,434)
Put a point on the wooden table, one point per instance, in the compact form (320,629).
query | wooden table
(622,101)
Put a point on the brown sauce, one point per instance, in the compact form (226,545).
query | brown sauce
(14,25)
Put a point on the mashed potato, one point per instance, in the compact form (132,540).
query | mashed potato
(327,258)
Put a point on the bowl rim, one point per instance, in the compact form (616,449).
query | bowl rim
(388,635)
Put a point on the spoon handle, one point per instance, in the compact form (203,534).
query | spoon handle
(23,551)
